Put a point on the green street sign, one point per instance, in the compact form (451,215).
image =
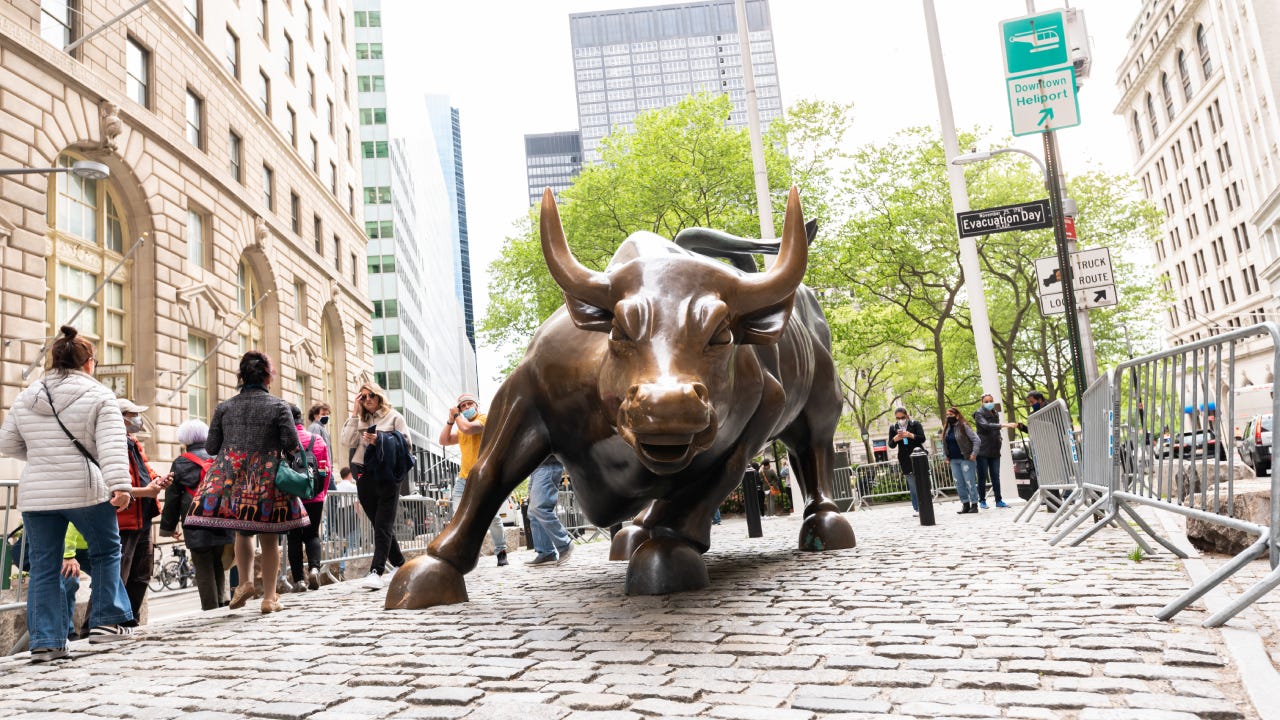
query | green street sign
(1034,43)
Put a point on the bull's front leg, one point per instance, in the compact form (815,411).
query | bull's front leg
(513,445)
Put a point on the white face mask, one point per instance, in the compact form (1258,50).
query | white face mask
(133,424)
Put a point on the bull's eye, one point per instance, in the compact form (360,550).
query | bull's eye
(723,336)
(617,334)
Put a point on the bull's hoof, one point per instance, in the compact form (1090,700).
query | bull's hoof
(826,530)
(626,540)
(425,582)
(665,565)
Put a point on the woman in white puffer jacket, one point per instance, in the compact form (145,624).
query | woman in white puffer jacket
(79,475)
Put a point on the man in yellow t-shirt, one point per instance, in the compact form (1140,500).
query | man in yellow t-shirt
(464,428)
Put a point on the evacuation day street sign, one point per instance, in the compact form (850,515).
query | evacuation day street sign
(1039,77)
(1006,218)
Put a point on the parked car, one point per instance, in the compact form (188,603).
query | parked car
(1255,444)
(1024,469)
(1193,445)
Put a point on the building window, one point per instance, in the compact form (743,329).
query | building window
(138,72)
(333,131)
(195,119)
(328,368)
(198,381)
(355,270)
(1136,127)
(58,21)
(235,155)
(264,29)
(346,86)
(193,15)
(315,155)
(318,227)
(328,55)
(299,302)
(351,200)
(333,178)
(380,195)
(1151,117)
(369,19)
(311,88)
(268,187)
(375,148)
(368,51)
(311,26)
(264,93)
(373,116)
(293,126)
(342,24)
(288,56)
(304,390)
(371,83)
(379,229)
(1166,95)
(295,213)
(197,248)
(250,331)
(87,234)
(337,253)
(233,53)
(1202,44)
(1184,75)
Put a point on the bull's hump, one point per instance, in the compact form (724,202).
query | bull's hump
(645,244)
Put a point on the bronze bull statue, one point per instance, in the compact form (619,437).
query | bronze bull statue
(654,385)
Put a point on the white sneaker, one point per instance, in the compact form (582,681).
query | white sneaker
(372,581)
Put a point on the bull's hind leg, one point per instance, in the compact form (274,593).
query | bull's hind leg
(513,445)
(813,462)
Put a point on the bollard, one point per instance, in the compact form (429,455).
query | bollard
(751,503)
(923,485)
(528,531)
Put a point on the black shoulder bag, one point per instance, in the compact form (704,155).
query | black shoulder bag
(83,451)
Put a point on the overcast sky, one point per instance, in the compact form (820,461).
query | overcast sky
(507,65)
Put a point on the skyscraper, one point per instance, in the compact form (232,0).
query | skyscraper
(446,126)
(632,60)
(420,349)
(552,160)
(1201,144)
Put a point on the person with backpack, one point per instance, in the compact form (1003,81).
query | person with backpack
(205,544)
(309,537)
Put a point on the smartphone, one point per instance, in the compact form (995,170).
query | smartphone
(371,429)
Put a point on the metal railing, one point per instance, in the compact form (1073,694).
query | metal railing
(862,485)
(1158,433)
(13,581)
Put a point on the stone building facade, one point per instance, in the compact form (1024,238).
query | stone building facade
(229,130)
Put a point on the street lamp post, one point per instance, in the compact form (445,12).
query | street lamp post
(87,169)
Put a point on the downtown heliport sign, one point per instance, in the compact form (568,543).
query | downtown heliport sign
(1039,77)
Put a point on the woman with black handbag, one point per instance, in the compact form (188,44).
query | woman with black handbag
(249,437)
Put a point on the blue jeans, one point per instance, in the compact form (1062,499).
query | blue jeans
(47,619)
(495,527)
(965,474)
(989,468)
(71,586)
(545,528)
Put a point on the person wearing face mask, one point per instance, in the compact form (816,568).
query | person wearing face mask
(906,435)
(318,417)
(135,519)
(1035,402)
(371,410)
(962,444)
(464,428)
(987,422)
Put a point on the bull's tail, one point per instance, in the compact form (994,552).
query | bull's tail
(739,251)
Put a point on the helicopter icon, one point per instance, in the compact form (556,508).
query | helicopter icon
(1039,40)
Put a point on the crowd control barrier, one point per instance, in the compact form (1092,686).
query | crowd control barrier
(1159,432)
(861,485)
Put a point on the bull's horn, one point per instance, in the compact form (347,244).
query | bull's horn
(781,280)
(573,277)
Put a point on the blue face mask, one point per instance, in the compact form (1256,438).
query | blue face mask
(988,406)
(470,413)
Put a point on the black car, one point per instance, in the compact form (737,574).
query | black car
(1193,445)
(1024,468)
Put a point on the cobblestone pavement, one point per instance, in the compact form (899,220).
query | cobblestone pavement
(976,617)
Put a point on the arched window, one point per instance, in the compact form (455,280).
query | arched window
(247,293)
(1202,42)
(1151,117)
(1185,75)
(328,380)
(1137,132)
(1167,96)
(87,237)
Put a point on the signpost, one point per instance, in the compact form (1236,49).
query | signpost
(1006,218)
(1046,101)
(1092,280)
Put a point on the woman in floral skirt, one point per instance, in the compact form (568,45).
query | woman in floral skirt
(248,436)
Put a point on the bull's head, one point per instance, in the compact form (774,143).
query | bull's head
(674,324)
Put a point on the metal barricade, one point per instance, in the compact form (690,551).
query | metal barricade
(348,535)
(13,580)
(1053,449)
(885,482)
(1191,470)
(844,491)
(575,522)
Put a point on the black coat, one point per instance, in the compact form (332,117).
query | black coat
(909,446)
(389,459)
(987,424)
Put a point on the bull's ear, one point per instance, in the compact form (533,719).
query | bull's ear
(587,316)
(764,326)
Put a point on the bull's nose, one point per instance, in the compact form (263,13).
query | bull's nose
(677,408)
(648,395)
